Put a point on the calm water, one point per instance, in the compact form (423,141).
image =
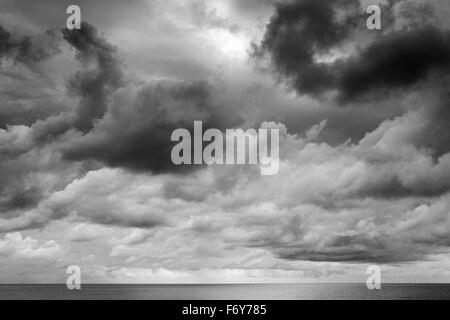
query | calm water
(227,292)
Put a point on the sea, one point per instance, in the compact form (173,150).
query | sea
(225,292)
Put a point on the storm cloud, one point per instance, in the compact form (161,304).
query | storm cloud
(302,32)
(136,131)
(92,85)
(28,49)
(102,75)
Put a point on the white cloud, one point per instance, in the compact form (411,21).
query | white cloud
(14,245)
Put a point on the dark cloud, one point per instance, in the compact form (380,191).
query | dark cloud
(436,136)
(136,131)
(14,112)
(28,49)
(302,30)
(38,101)
(413,56)
(6,44)
(396,60)
(102,75)
(17,190)
(348,253)
(129,126)
(92,86)
(21,162)
(355,247)
(21,199)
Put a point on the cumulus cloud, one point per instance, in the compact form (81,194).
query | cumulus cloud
(121,208)
(14,244)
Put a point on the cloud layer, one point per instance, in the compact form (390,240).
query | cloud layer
(85,165)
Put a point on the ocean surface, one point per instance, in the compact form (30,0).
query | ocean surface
(225,292)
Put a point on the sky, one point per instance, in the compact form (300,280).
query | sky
(86,117)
